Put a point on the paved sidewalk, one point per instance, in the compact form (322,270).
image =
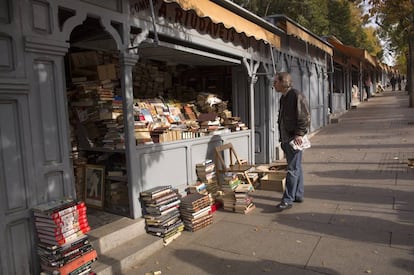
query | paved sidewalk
(357,218)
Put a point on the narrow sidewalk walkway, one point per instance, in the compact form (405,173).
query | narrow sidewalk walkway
(357,218)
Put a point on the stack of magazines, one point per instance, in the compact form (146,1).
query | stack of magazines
(62,246)
(160,207)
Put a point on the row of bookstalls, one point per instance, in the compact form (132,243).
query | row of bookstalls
(350,68)
(107,99)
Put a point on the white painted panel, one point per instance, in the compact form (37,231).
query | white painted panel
(6,53)
(201,152)
(44,73)
(41,16)
(241,146)
(11,166)
(55,185)
(168,167)
(19,252)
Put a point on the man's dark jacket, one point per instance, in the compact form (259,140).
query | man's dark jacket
(293,115)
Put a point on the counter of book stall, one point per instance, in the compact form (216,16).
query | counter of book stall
(174,162)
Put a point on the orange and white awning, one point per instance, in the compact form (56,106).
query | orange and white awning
(221,15)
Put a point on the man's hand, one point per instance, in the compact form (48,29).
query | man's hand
(298,140)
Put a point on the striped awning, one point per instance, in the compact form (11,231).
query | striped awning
(221,15)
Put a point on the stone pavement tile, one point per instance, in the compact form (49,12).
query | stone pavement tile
(403,195)
(328,186)
(261,242)
(345,156)
(300,223)
(350,257)
(207,261)
(352,195)
(403,239)
(404,201)
(406,178)
(310,210)
(258,217)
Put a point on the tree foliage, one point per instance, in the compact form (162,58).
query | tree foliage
(342,18)
(396,21)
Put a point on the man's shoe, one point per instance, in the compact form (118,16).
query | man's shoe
(299,200)
(283,206)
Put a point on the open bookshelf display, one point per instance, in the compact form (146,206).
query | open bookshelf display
(170,103)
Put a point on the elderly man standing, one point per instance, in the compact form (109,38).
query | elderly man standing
(294,121)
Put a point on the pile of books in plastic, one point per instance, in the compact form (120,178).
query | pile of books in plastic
(196,211)
(62,246)
(160,206)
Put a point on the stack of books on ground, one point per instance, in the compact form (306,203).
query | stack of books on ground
(243,201)
(196,211)
(231,181)
(160,207)
(62,245)
(206,173)
(198,187)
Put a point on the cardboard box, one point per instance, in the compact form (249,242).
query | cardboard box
(106,72)
(273,182)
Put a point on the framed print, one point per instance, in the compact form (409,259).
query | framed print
(94,185)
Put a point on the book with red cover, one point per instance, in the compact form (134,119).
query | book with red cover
(60,239)
(79,207)
(84,229)
(46,227)
(67,219)
(73,265)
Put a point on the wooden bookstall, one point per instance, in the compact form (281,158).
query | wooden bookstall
(171,105)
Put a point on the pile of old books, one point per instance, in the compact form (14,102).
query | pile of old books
(160,207)
(243,201)
(236,194)
(196,211)
(62,246)
(197,187)
(206,174)
(231,181)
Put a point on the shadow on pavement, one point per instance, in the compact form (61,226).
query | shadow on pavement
(213,264)
(353,174)
(356,194)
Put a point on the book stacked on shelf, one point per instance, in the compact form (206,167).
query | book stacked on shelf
(195,211)
(62,245)
(243,201)
(92,102)
(234,124)
(206,173)
(114,137)
(161,212)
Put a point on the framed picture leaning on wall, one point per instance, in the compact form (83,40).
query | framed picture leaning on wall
(94,185)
